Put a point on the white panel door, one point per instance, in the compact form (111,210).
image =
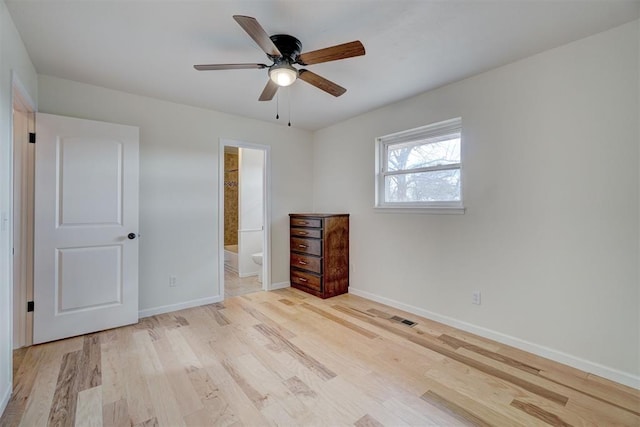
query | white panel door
(86,227)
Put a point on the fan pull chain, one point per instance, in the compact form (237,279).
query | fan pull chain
(277,106)
(289,95)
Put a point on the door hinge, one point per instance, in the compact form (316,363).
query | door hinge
(32,138)
(29,306)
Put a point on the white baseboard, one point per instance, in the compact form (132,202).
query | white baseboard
(195,303)
(280,285)
(5,398)
(179,306)
(250,274)
(549,353)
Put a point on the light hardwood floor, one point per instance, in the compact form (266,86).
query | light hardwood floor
(288,358)
(235,285)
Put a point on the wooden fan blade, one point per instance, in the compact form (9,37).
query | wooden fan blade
(269,91)
(333,53)
(211,67)
(321,83)
(258,34)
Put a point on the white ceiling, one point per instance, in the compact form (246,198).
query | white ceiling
(149,47)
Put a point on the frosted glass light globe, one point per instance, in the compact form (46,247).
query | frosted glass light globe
(283,74)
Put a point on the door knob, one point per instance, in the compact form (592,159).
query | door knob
(131,236)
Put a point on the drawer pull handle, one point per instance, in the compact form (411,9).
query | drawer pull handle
(302,279)
(302,262)
(303,222)
(302,246)
(302,233)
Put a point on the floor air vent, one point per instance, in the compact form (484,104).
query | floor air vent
(403,320)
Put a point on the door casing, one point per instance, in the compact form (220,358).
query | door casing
(21,267)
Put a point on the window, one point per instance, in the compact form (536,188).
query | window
(420,168)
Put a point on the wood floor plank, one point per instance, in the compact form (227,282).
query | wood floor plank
(413,411)
(135,387)
(18,357)
(163,399)
(539,413)
(353,327)
(566,413)
(335,359)
(217,315)
(89,408)
(261,317)
(462,414)
(90,368)
(298,387)
(116,414)
(151,422)
(368,421)
(602,413)
(175,368)
(456,343)
(306,360)
(216,410)
(201,320)
(254,395)
(112,372)
(63,407)
(333,404)
(208,416)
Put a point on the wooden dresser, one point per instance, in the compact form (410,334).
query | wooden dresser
(319,253)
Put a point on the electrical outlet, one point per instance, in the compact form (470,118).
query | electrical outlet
(173,281)
(475,297)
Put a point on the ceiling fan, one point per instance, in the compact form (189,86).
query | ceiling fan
(284,50)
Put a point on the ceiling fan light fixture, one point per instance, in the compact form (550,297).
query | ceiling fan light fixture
(283,74)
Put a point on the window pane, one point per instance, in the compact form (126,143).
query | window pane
(433,186)
(437,151)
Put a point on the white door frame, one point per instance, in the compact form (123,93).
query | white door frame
(266,194)
(22,329)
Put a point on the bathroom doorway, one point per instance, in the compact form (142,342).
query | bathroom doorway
(244,218)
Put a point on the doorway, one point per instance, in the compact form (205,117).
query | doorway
(243,218)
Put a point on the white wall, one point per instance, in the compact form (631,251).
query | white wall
(550,236)
(179,183)
(250,209)
(14,61)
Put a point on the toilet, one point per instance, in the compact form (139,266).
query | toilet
(257,258)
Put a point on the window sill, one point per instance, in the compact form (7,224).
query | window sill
(429,210)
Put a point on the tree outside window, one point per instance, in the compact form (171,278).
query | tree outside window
(421,167)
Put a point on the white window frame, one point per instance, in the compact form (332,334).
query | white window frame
(429,131)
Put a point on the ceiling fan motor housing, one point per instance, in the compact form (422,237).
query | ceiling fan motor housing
(289,46)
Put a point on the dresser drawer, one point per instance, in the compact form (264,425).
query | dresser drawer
(308,280)
(309,246)
(305,222)
(307,232)
(305,262)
